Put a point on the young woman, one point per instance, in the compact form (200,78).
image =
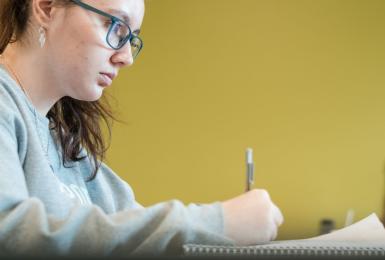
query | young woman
(57,197)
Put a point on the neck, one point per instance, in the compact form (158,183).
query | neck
(29,66)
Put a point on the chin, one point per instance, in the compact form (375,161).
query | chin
(96,97)
(91,96)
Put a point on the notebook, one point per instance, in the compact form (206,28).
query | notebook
(363,238)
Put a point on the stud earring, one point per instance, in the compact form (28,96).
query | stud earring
(41,36)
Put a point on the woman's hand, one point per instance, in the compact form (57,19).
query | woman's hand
(251,218)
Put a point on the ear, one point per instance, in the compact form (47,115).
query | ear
(42,11)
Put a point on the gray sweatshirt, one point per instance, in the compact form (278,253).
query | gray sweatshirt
(49,209)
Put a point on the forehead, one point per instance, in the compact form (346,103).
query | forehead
(131,11)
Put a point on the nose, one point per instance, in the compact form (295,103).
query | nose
(123,56)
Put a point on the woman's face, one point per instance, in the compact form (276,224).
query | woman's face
(80,62)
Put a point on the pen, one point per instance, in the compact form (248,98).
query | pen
(249,169)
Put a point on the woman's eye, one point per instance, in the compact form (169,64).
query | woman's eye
(107,23)
(116,27)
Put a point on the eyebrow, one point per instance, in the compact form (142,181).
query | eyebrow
(123,15)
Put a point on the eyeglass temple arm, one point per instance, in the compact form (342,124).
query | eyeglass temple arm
(93,9)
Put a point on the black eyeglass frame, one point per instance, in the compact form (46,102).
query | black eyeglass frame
(114,20)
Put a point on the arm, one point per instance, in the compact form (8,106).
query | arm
(27,227)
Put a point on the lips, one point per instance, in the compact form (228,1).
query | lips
(110,75)
(106,78)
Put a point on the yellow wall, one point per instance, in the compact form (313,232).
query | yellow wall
(302,82)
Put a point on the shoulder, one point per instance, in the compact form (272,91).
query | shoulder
(11,118)
(9,96)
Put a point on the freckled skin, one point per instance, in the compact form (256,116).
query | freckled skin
(78,50)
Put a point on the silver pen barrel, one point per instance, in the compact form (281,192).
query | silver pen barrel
(249,169)
(250,175)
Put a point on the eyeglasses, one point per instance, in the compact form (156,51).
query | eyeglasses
(118,33)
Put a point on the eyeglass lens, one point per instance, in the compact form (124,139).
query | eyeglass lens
(117,35)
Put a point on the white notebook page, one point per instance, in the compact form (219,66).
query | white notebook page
(367,229)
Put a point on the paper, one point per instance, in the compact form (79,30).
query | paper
(363,238)
(367,229)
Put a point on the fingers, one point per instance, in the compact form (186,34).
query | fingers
(278,217)
(276,212)
(277,221)
(252,218)
(274,233)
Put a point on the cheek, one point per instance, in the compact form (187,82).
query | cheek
(81,78)
(82,73)
(76,40)
(77,55)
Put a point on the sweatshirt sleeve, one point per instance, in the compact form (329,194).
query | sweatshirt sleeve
(27,229)
(160,229)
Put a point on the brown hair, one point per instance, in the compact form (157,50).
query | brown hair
(76,123)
